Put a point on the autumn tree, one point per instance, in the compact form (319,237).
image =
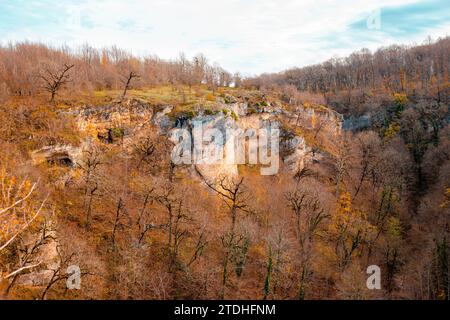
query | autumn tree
(29,251)
(59,273)
(349,231)
(127,83)
(90,169)
(309,214)
(177,218)
(233,194)
(20,209)
(55,80)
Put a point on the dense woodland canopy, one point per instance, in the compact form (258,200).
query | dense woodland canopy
(140,228)
(346,83)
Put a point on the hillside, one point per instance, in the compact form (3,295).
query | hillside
(89,178)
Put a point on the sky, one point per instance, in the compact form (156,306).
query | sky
(248,36)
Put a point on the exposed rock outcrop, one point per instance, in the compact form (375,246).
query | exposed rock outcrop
(110,122)
(123,122)
(65,155)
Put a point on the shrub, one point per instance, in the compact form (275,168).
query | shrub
(190,114)
(227,100)
(117,132)
(209,112)
(392,130)
(400,101)
(252,110)
(234,116)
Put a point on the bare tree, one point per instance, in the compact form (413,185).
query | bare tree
(200,244)
(55,80)
(59,271)
(178,216)
(127,86)
(18,212)
(308,215)
(142,221)
(120,212)
(278,244)
(145,148)
(235,197)
(29,252)
(369,146)
(28,219)
(91,184)
(341,164)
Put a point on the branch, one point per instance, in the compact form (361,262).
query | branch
(22,269)
(20,200)
(24,227)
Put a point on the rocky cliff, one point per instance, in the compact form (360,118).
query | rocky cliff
(123,123)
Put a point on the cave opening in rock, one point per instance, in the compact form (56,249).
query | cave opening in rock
(60,159)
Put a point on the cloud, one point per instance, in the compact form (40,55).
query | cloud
(247,36)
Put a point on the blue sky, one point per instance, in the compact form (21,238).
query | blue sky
(241,35)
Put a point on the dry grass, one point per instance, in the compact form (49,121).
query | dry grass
(160,95)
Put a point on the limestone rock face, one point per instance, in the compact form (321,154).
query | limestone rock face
(124,122)
(295,153)
(161,120)
(105,120)
(312,118)
(59,154)
(293,149)
(239,109)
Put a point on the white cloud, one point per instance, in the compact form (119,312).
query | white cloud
(249,36)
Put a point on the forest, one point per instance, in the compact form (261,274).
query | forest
(87,181)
